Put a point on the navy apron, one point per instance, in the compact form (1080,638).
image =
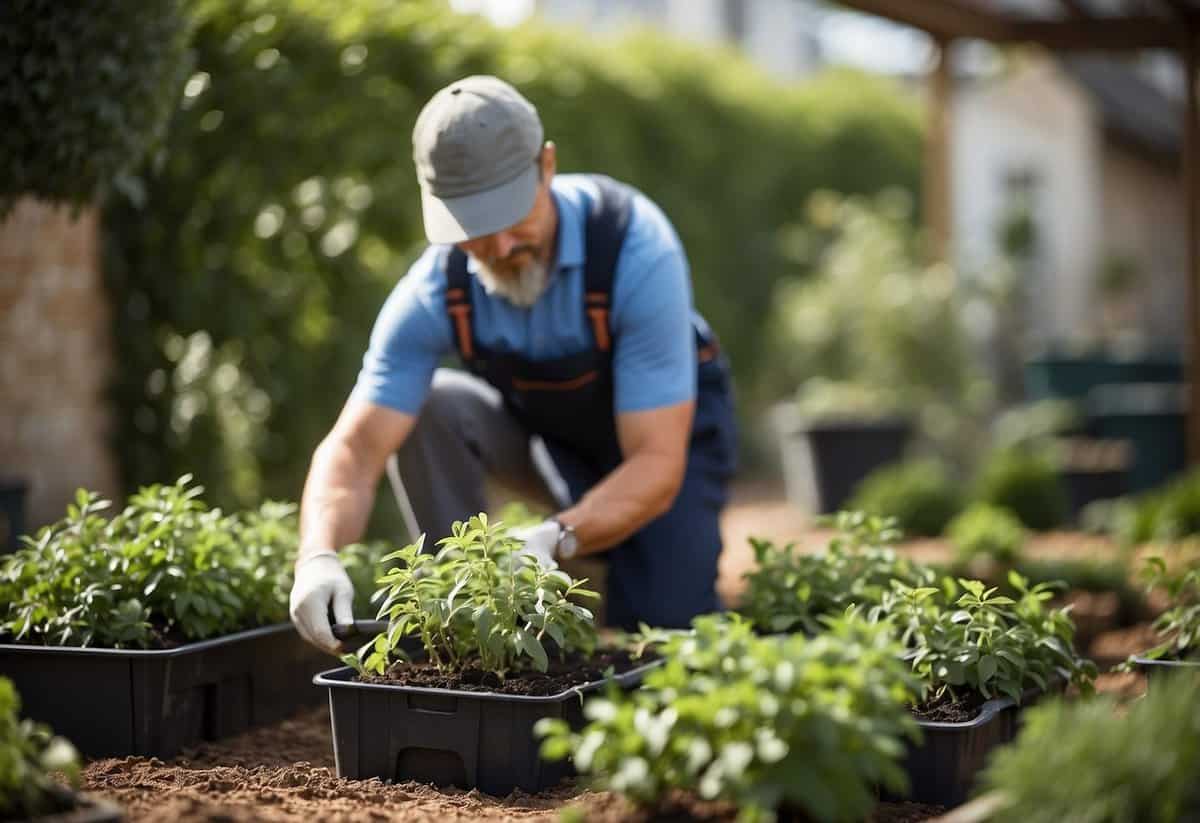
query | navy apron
(663,575)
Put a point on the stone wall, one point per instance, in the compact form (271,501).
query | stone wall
(55,358)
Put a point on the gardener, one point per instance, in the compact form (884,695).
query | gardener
(587,372)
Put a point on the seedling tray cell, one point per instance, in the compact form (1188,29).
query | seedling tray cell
(116,702)
(474,740)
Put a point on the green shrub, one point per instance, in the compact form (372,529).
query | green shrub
(987,531)
(789,590)
(1166,514)
(813,724)
(479,600)
(1025,484)
(29,754)
(967,637)
(287,206)
(920,494)
(1178,577)
(165,566)
(1093,761)
(87,91)
(872,317)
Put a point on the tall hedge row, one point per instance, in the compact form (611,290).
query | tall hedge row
(247,282)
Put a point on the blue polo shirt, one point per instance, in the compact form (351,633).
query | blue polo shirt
(654,357)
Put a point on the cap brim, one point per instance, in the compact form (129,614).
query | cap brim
(455,219)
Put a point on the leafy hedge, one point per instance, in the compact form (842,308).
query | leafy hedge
(287,208)
(85,92)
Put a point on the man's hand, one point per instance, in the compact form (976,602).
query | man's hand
(540,541)
(320,581)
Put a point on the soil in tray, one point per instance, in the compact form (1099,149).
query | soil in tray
(680,807)
(561,676)
(946,709)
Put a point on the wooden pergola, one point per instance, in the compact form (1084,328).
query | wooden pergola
(1074,26)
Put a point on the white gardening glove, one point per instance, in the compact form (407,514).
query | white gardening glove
(320,581)
(540,541)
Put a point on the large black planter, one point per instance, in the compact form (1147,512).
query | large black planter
(1157,669)
(114,702)
(474,740)
(824,460)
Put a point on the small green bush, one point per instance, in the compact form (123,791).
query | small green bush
(1025,484)
(1169,513)
(85,94)
(814,724)
(919,494)
(29,754)
(987,531)
(479,600)
(789,590)
(1178,577)
(1092,761)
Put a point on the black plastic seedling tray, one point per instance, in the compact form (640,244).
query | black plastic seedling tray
(474,740)
(942,768)
(114,702)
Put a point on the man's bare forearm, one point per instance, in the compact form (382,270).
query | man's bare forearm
(639,490)
(337,499)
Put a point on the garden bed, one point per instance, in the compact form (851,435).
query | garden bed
(285,772)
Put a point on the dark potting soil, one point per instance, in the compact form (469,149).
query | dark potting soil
(560,676)
(681,807)
(946,709)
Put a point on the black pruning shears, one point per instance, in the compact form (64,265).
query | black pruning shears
(359,628)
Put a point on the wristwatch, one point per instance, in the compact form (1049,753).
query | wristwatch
(567,543)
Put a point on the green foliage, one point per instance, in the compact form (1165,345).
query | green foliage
(29,754)
(989,532)
(1170,513)
(1179,579)
(790,590)
(985,642)
(1025,484)
(87,91)
(813,724)
(479,600)
(287,207)
(1096,762)
(364,566)
(873,314)
(165,564)
(920,494)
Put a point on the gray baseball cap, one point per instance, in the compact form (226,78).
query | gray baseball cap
(475,146)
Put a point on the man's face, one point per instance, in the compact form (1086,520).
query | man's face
(507,254)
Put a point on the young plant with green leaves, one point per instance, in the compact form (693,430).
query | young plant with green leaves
(764,723)
(1094,761)
(1179,625)
(478,601)
(29,756)
(967,638)
(987,533)
(165,566)
(790,590)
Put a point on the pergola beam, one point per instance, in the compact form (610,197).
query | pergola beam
(945,19)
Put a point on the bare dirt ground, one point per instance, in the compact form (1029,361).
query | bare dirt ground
(286,772)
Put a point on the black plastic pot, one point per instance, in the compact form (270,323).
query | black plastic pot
(114,702)
(943,767)
(474,740)
(825,460)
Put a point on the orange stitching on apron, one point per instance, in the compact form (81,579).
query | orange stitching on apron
(600,328)
(555,385)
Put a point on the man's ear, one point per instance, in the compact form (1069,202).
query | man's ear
(549,160)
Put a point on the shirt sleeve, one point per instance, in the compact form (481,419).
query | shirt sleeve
(411,334)
(654,355)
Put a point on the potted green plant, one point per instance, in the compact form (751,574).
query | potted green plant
(30,758)
(779,724)
(501,643)
(1178,577)
(173,613)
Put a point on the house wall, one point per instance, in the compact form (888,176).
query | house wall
(55,356)
(1143,217)
(1034,121)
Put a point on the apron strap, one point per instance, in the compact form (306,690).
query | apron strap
(458,303)
(607,222)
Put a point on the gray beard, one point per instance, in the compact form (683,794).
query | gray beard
(523,291)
